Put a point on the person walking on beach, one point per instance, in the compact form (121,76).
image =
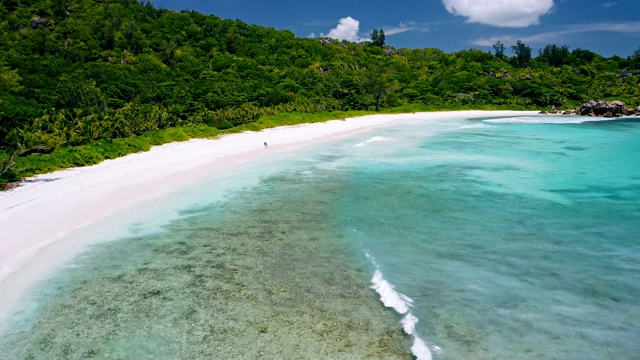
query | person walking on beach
(265,144)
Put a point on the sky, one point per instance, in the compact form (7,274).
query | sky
(609,27)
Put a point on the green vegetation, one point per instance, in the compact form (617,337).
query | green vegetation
(104,149)
(378,37)
(110,77)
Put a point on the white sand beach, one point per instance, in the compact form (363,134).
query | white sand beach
(45,209)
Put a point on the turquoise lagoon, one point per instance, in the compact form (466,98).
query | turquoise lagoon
(485,238)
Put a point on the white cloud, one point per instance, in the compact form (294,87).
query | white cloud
(347,29)
(404,27)
(491,41)
(632,28)
(501,13)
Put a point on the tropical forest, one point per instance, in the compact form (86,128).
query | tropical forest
(86,80)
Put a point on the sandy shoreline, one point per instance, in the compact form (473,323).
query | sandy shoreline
(48,207)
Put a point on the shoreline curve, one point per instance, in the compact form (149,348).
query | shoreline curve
(48,207)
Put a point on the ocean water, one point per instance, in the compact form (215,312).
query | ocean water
(486,238)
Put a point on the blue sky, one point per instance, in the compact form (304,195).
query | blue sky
(610,27)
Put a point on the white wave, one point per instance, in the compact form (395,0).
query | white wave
(373,139)
(437,350)
(401,303)
(388,296)
(409,323)
(551,119)
(476,126)
(420,350)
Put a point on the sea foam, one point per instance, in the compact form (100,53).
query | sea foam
(477,126)
(373,139)
(402,304)
(552,119)
(389,297)
(420,349)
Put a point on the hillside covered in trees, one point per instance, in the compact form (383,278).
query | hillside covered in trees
(81,72)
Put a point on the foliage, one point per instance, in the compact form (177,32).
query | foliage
(523,54)
(498,47)
(555,55)
(378,81)
(115,76)
(378,38)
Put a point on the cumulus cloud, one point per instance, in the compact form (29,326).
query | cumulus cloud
(502,13)
(347,29)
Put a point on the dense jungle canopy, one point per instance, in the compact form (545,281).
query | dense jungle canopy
(76,72)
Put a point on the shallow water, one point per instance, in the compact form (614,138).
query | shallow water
(513,240)
(486,238)
(260,272)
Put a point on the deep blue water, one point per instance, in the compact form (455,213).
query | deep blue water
(503,238)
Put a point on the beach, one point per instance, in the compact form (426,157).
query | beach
(48,207)
(41,217)
(431,236)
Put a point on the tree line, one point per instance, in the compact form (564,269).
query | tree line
(108,69)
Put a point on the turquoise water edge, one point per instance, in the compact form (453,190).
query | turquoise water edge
(491,238)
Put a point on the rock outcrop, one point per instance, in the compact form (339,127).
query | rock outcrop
(39,21)
(598,108)
(605,109)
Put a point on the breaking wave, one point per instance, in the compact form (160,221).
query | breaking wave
(401,304)
(551,119)
(373,139)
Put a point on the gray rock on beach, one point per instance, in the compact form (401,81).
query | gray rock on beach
(606,109)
